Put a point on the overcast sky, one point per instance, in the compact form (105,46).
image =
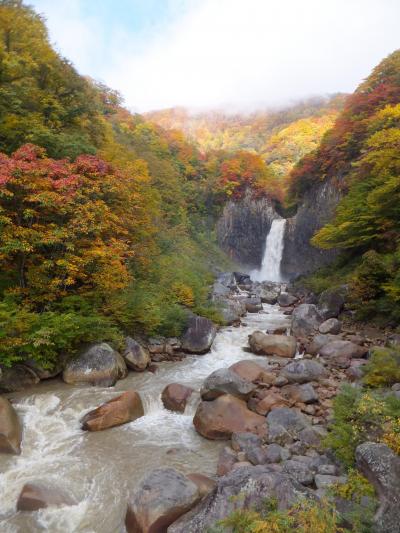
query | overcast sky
(240,54)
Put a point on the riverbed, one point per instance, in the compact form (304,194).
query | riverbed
(100,469)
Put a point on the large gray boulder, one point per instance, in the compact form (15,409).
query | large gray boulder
(161,498)
(285,425)
(314,347)
(226,381)
(199,335)
(331,302)
(10,428)
(303,370)
(305,320)
(381,466)
(231,310)
(253,304)
(97,365)
(331,326)
(285,299)
(17,378)
(136,357)
(244,488)
(264,344)
(339,353)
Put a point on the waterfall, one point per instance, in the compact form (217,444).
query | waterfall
(271,264)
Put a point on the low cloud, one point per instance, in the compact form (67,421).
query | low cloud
(231,53)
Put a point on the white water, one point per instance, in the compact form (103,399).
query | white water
(100,469)
(271,264)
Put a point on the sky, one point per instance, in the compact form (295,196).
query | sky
(239,55)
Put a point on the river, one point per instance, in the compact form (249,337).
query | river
(100,469)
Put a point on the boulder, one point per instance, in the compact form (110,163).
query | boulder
(332,326)
(226,381)
(323,481)
(271,401)
(303,370)
(276,453)
(247,487)
(298,471)
(38,495)
(218,419)
(97,365)
(17,378)
(268,297)
(227,458)
(231,310)
(199,335)
(228,279)
(339,353)
(161,498)
(304,393)
(319,341)
(331,302)
(120,410)
(305,320)
(243,442)
(175,396)
(381,466)
(248,370)
(204,483)
(136,357)
(10,428)
(45,373)
(286,300)
(284,425)
(281,345)
(253,305)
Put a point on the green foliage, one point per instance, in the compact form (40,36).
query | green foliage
(305,517)
(383,367)
(355,488)
(42,337)
(43,100)
(359,416)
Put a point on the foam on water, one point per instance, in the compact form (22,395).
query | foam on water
(99,469)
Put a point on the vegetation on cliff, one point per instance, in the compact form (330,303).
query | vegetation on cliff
(361,155)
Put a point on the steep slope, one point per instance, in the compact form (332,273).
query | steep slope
(348,192)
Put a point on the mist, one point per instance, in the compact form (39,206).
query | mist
(231,54)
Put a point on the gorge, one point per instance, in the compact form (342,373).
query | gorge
(199,310)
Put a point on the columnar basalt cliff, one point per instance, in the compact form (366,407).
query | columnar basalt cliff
(243,228)
(317,208)
(244,225)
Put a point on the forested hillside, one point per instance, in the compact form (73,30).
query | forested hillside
(280,137)
(101,212)
(361,155)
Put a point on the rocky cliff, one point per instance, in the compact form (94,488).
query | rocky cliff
(317,208)
(243,228)
(244,225)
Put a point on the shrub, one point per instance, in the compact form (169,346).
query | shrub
(305,517)
(359,416)
(383,368)
(42,337)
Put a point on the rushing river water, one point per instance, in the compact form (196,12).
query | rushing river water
(100,469)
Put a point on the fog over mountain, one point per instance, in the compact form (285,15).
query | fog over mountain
(231,53)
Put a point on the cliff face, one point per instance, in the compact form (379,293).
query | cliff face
(318,207)
(243,228)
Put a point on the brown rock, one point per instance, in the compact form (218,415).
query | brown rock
(175,396)
(281,345)
(204,484)
(136,356)
(36,496)
(248,370)
(10,428)
(218,419)
(271,401)
(120,410)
